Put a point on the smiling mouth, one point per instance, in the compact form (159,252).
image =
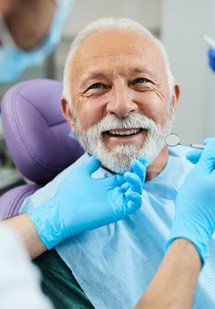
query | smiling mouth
(123,132)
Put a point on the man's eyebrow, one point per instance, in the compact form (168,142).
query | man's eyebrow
(142,70)
(99,75)
(92,75)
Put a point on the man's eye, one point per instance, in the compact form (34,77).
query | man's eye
(96,89)
(141,80)
(96,86)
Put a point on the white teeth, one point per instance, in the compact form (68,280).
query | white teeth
(124,132)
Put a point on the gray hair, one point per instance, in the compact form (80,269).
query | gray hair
(107,24)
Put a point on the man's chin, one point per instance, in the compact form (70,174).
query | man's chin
(116,168)
(118,160)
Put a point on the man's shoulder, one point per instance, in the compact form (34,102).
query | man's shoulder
(43,194)
(179,151)
(178,155)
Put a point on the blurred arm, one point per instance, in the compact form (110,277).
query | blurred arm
(28,233)
(174,283)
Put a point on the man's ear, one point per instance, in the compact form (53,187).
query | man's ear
(67,113)
(175,99)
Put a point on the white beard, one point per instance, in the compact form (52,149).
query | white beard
(119,158)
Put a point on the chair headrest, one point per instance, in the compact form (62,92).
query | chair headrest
(11,201)
(35,130)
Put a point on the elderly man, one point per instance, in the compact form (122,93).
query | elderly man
(120,99)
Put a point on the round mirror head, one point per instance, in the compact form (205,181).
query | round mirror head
(172,140)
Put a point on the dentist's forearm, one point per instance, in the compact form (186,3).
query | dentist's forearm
(174,284)
(28,232)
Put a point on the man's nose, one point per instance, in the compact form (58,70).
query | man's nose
(121,102)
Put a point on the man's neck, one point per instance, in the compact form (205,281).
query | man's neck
(157,165)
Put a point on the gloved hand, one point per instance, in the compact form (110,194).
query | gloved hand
(82,203)
(211,58)
(195,202)
(194,155)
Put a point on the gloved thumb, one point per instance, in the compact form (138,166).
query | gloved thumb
(207,159)
(139,167)
(91,165)
(194,155)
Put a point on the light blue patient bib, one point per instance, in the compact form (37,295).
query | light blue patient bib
(115,263)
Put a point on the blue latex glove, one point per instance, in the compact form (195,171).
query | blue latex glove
(82,203)
(194,155)
(211,58)
(195,203)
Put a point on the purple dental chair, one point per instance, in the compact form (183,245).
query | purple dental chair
(36,136)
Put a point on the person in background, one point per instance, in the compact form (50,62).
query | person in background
(29,32)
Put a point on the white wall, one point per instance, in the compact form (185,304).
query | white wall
(182,26)
(84,11)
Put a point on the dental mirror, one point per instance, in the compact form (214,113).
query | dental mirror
(173,140)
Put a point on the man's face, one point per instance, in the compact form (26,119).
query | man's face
(122,105)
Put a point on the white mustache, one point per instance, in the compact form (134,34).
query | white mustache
(111,122)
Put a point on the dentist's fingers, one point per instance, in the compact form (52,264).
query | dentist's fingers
(139,167)
(134,181)
(134,201)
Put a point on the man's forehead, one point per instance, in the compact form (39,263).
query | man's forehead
(115,42)
(112,46)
